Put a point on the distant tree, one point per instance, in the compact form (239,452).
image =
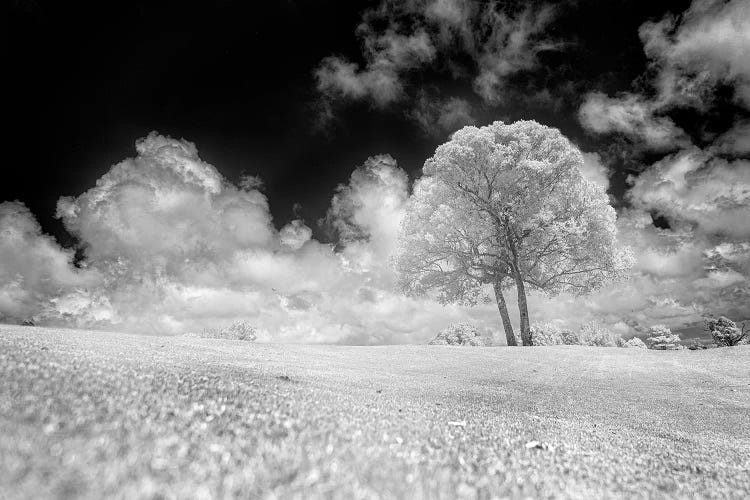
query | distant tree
(546,334)
(596,334)
(239,330)
(660,337)
(636,343)
(725,332)
(569,337)
(459,334)
(503,206)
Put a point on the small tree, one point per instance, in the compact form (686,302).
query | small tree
(636,343)
(502,206)
(459,334)
(596,334)
(239,330)
(725,331)
(546,334)
(569,337)
(661,338)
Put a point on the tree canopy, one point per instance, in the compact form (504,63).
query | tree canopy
(506,205)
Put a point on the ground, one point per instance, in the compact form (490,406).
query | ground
(95,414)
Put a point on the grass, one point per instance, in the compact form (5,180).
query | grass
(93,414)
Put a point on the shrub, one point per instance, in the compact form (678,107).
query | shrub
(569,337)
(661,338)
(459,334)
(636,343)
(546,334)
(725,331)
(697,345)
(596,334)
(239,330)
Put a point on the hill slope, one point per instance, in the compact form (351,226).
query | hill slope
(90,414)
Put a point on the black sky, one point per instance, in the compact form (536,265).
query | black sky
(89,78)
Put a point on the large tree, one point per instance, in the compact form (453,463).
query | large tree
(506,206)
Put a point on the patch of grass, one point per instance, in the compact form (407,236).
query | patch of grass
(101,414)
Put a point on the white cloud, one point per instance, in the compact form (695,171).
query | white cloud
(387,56)
(33,267)
(595,171)
(400,37)
(633,116)
(709,41)
(172,247)
(295,234)
(692,187)
(437,117)
(735,141)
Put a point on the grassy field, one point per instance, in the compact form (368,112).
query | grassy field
(92,415)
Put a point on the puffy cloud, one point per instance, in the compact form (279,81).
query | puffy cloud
(735,141)
(295,234)
(400,37)
(172,247)
(689,56)
(691,187)
(440,116)
(633,116)
(387,56)
(33,267)
(709,41)
(366,214)
(594,170)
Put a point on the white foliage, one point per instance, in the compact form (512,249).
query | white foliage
(464,334)
(500,189)
(546,334)
(636,343)
(596,334)
(661,338)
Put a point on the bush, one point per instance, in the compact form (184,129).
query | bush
(239,330)
(636,343)
(459,334)
(546,334)
(697,345)
(569,337)
(596,334)
(661,338)
(725,332)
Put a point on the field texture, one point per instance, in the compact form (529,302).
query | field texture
(93,415)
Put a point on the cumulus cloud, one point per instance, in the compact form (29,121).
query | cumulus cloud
(170,246)
(594,170)
(711,194)
(437,117)
(33,267)
(388,55)
(401,37)
(735,141)
(689,56)
(708,43)
(633,116)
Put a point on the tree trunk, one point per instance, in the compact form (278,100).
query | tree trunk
(523,309)
(500,299)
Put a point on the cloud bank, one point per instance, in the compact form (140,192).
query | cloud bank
(170,246)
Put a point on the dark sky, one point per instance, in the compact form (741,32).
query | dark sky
(235,77)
